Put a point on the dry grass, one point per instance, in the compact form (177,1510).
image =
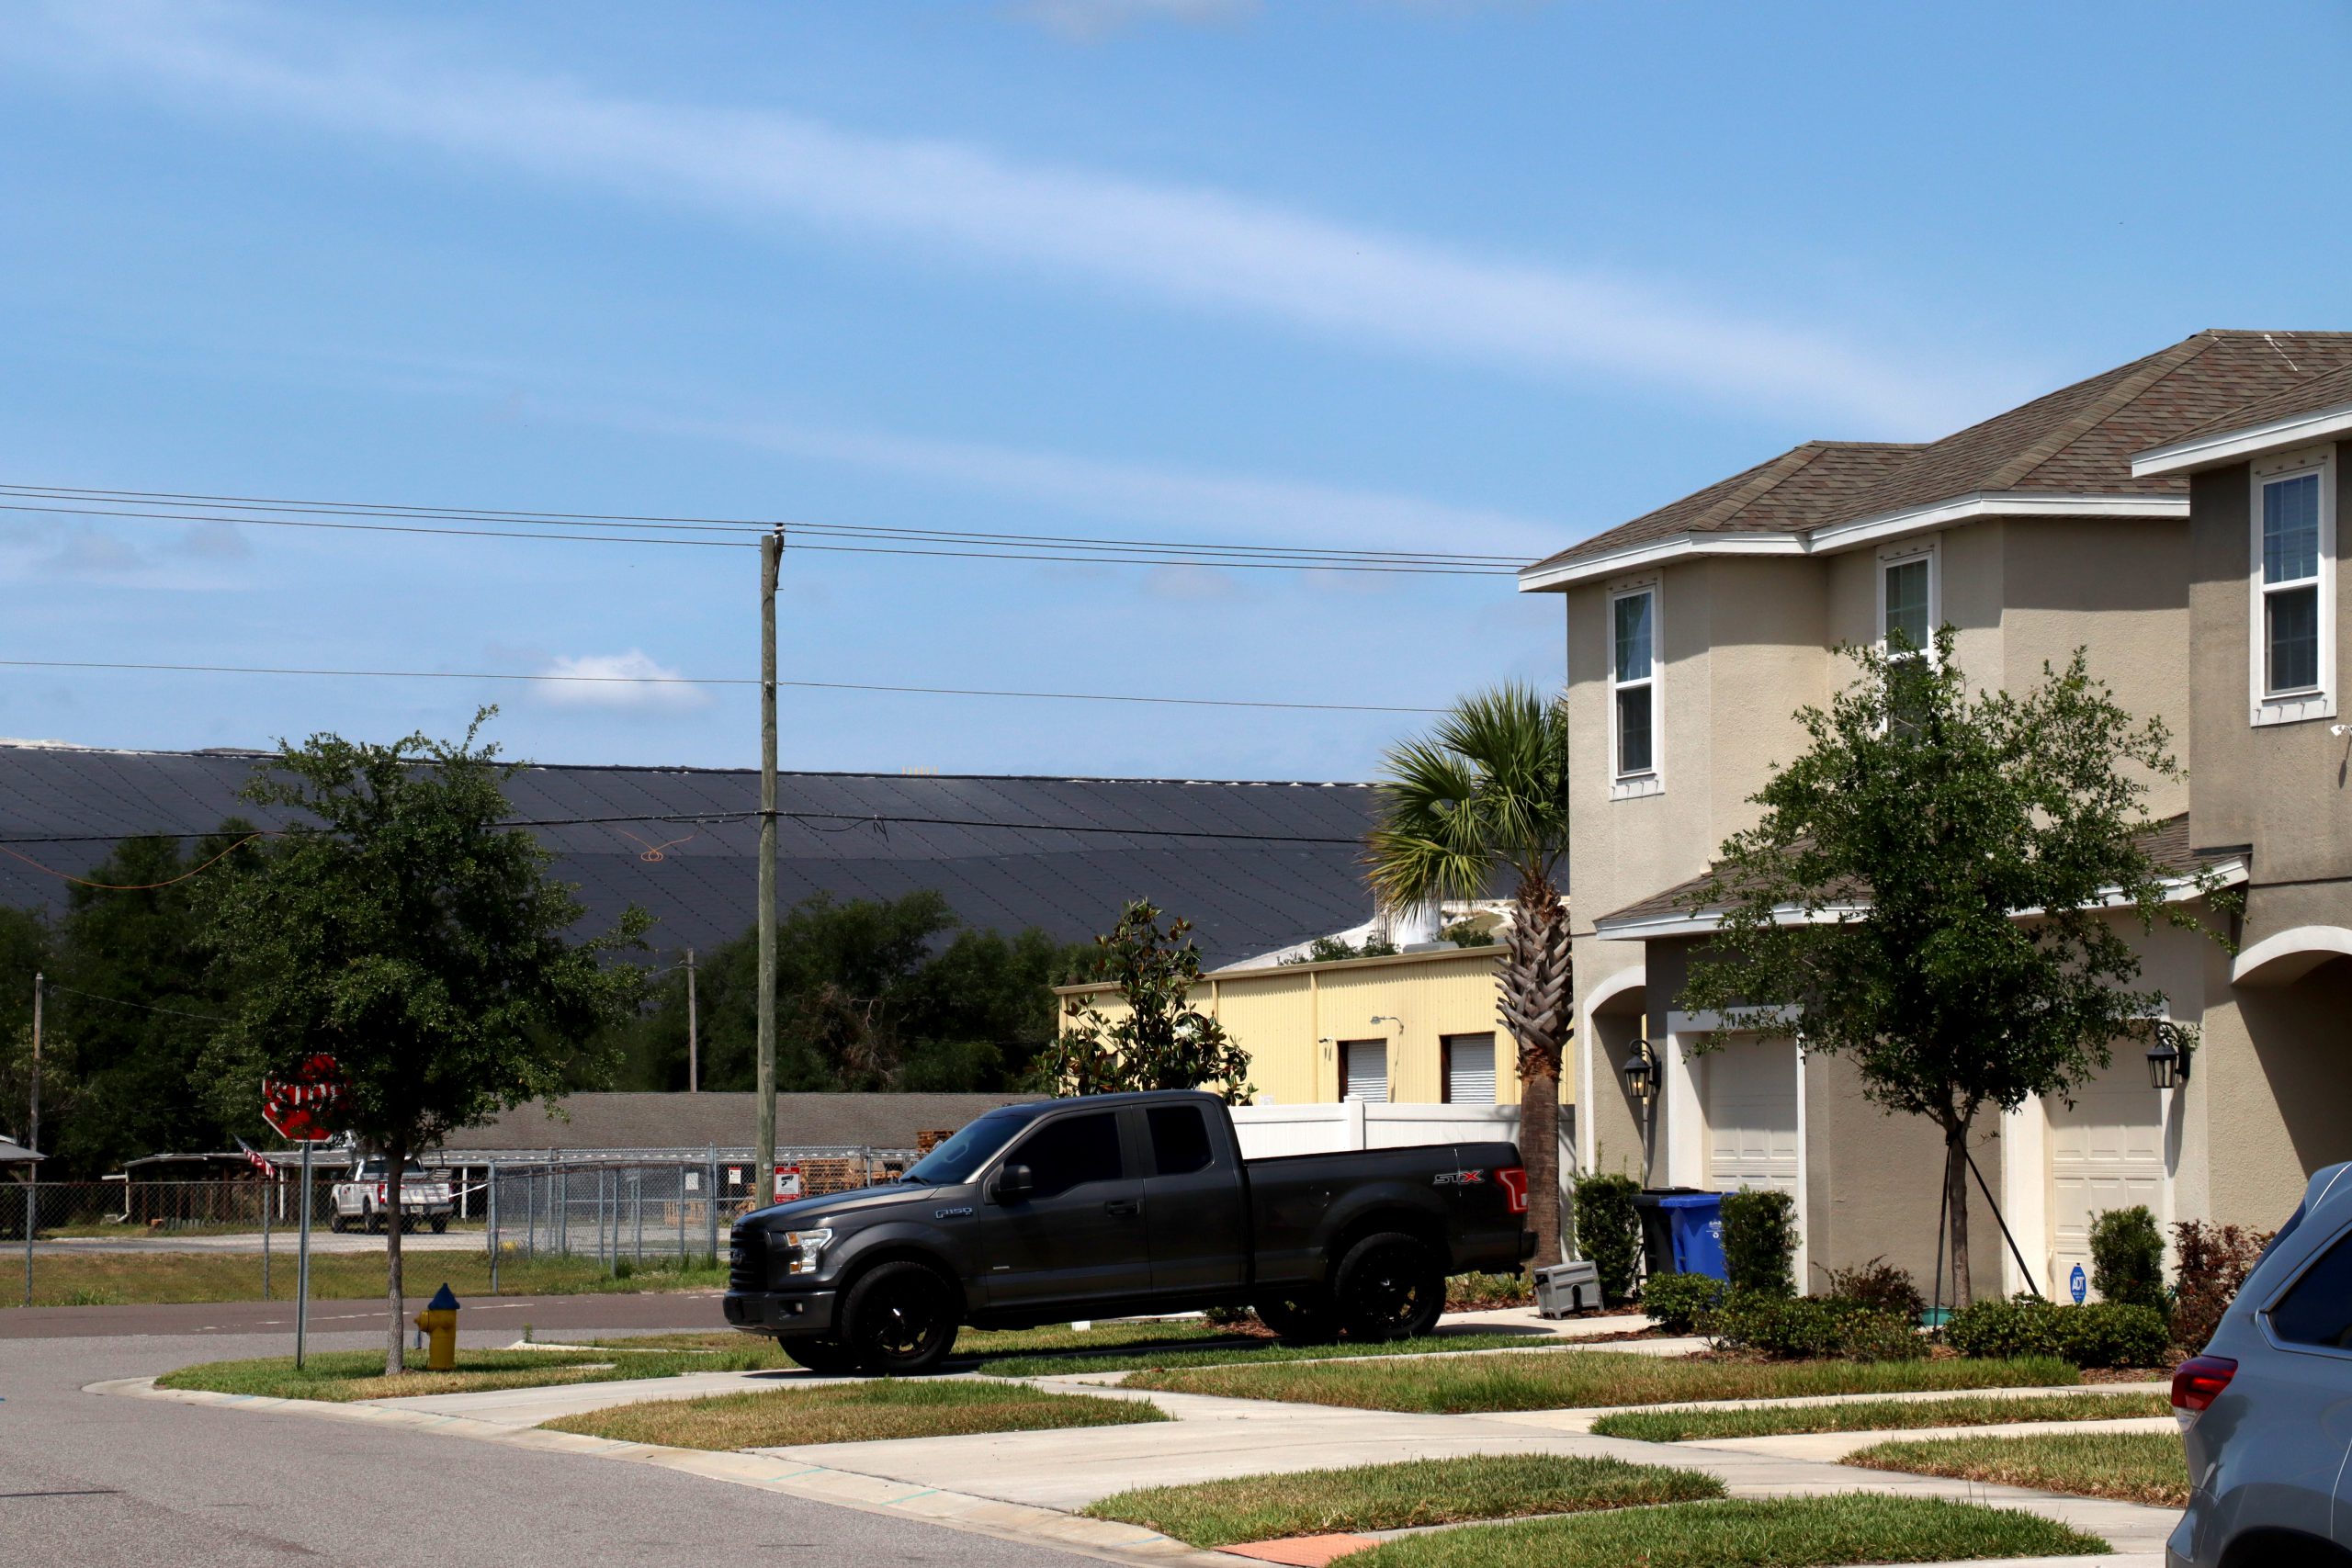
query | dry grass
(124,1279)
(340,1376)
(852,1412)
(2134,1467)
(1397,1496)
(1876,1415)
(1554,1379)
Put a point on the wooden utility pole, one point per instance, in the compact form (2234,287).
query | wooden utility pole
(771,561)
(32,1133)
(693,1037)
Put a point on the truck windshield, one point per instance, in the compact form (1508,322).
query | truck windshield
(955,1161)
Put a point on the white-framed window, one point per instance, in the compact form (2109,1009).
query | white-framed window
(2292,579)
(1910,595)
(1633,692)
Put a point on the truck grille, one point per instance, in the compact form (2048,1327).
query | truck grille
(746,1263)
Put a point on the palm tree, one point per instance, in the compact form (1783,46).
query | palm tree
(1489,791)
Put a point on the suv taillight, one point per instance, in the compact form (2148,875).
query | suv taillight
(2196,1382)
(1514,1185)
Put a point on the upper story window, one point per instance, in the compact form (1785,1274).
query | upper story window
(1907,592)
(1633,692)
(2292,615)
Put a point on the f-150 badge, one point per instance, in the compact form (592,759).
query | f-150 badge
(950,1214)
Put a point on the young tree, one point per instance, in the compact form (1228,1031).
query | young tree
(409,934)
(1488,792)
(1933,884)
(1161,1041)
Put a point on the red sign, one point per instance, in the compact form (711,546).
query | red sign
(303,1108)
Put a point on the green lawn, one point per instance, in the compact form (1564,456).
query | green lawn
(1232,1351)
(122,1279)
(1788,1532)
(852,1412)
(1395,1496)
(1876,1415)
(340,1376)
(1557,1379)
(2137,1467)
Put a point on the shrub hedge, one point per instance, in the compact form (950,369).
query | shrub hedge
(1809,1327)
(2128,1258)
(1761,1242)
(2103,1334)
(1677,1302)
(1609,1232)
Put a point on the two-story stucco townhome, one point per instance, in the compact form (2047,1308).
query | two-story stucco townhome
(1696,632)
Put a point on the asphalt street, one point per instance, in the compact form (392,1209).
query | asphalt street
(89,1481)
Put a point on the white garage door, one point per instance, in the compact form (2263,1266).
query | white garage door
(1752,1115)
(2107,1151)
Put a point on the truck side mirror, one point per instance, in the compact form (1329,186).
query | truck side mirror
(1014,1183)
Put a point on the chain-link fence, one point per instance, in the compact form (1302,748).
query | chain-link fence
(500,1227)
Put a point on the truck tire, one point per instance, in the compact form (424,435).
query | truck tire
(337,1224)
(822,1356)
(440,1224)
(900,1320)
(1389,1286)
(371,1221)
(1299,1320)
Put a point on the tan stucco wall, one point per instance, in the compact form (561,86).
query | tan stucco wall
(2275,1073)
(1283,1015)
(2285,788)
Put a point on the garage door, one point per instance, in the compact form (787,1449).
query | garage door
(1752,1115)
(2107,1151)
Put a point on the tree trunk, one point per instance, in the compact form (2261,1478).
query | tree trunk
(1534,1006)
(1956,1207)
(395,1164)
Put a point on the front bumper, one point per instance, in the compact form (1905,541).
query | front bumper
(786,1314)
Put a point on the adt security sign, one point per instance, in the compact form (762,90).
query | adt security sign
(2078,1285)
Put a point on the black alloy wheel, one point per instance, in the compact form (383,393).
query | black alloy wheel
(1390,1287)
(900,1320)
(1299,1319)
(440,1224)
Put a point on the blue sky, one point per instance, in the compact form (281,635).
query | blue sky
(1473,277)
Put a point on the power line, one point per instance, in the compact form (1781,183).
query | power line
(617,519)
(707,681)
(849,820)
(1096,552)
(143,1007)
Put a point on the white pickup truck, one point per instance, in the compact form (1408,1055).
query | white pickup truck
(361,1201)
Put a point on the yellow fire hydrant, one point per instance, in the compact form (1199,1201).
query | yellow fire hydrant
(439,1321)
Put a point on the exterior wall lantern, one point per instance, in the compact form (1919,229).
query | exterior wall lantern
(2168,1064)
(1640,1072)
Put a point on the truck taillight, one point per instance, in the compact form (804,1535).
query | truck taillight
(2196,1382)
(380,1191)
(1514,1184)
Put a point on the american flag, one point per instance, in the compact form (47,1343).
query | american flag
(255,1157)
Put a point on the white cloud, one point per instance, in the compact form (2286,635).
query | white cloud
(1223,508)
(630,683)
(1194,246)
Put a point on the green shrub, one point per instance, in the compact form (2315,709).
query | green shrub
(1880,1284)
(1812,1327)
(1677,1302)
(624,1269)
(2104,1334)
(1760,1241)
(1609,1232)
(1469,1292)
(2128,1258)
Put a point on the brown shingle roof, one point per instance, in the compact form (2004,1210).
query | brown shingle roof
(2309,396)
(2078,440)
(2166,843)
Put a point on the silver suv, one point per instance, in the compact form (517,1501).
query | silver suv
(2265,1412)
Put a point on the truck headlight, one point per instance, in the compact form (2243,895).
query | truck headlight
(805,1250)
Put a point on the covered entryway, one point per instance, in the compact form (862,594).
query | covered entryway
(1750,1100)
(2107,1151)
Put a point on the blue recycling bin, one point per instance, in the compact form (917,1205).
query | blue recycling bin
(1695,1221)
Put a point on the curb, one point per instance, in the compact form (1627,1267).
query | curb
(1019,1522)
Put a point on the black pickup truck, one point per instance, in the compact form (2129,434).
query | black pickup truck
(1116,1205)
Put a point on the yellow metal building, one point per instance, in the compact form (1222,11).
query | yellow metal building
(1414,1028)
